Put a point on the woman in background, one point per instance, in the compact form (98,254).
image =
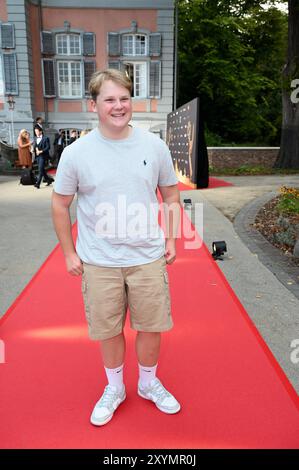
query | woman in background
(24,145)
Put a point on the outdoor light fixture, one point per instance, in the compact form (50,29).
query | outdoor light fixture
(218,249)
(134,26)
(11,102)
(67,26)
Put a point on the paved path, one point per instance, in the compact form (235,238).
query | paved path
(27,236)
(231,199)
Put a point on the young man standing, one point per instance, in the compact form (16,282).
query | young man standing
(115,171)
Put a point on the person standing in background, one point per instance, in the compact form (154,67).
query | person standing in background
(39,123)
(41,148)
(59,144)
(24,144)
(73,136)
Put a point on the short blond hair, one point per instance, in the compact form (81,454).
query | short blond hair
(99,77)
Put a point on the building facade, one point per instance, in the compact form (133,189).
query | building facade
(50,48)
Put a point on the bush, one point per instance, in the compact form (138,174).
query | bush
(289,201)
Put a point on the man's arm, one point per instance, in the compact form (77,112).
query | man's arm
(63,227)
(172,211)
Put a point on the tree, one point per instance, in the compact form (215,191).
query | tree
(231,54)
(289,147)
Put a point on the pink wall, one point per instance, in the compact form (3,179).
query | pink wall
(139,106)
(69,106)
(98,21)
(3,10)
(51,105)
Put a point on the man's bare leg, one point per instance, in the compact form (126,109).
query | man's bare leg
(147,348)
(113,351)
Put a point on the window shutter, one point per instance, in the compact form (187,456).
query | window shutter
(155,79)
(10,74)
(49,78)
(7,36)
(114,64)
(89,46)
(47,42)
(155,42)
(89,69)
(113,44)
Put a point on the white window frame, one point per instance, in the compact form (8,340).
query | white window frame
(69,62)
(68,47)
(134,36)
(145,78)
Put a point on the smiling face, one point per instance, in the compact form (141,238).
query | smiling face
(114,109)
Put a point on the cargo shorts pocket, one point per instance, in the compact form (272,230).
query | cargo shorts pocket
(84,289)
(166,287)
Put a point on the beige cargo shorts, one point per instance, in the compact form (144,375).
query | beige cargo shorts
(108,292)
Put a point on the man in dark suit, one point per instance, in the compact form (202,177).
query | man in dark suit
(41,148)
(59,144)
(73,136)
(39,123)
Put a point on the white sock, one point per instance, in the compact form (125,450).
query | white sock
(146,374)
(115,376)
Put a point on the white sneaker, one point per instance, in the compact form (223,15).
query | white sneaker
(157,393)
(107,404)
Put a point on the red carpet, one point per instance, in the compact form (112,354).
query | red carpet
(213,183)
(232,391)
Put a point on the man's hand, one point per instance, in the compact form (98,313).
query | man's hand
(170,252)
(74,265)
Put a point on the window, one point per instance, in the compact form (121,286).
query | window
(67,74)
(145,76)
(137,73)
(68,44)
(69,79)
(10,73)
(7,31)
(134,44)
(49,78)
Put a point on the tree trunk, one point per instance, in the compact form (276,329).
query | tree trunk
(288,156)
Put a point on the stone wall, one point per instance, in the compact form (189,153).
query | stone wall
(234,157)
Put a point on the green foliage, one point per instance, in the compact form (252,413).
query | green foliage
(231,54)
(289,201)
